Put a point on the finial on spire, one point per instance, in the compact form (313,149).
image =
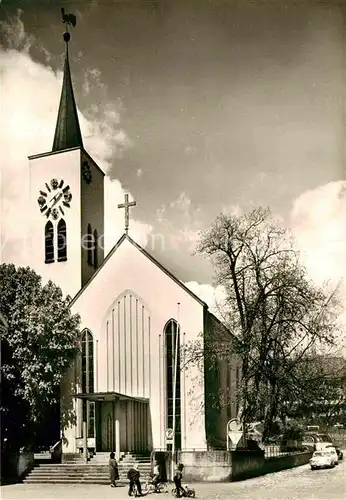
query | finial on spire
(67,132)
(68,18)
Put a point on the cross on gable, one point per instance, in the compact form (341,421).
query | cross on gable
(127,206)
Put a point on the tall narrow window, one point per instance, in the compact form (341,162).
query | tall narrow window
(62,240)
(90,245)
(88,381)
(49,242)
(172,338)
(95,249)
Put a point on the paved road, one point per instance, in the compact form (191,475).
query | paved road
(299,483)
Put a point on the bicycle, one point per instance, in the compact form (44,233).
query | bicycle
(188,492)
(149,487)
(135,492)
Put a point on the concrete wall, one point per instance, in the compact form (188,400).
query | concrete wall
(25,463)
(221,466)
(17,465)
(213,466)
(287,462)
(246,464)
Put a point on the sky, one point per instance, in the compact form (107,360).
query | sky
(194,108)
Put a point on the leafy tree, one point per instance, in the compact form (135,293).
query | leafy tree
(292,437)
(39,346)
(321,396)
(277,314)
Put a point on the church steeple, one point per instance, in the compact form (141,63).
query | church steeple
(67,131)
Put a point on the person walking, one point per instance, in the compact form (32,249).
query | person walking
(178,476)
(113,470)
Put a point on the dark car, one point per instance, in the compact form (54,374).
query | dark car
(318,440)
(339,452)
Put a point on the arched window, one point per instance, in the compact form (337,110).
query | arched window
(62,240)
(95,249)
(88,381)
(172,339)
(49,242)
(90,245)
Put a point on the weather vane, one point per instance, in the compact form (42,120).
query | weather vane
(68,19)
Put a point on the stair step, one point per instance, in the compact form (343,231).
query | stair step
(73,480)
(95,471)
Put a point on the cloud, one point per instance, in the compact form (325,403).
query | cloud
(213,296)
(14,35)
(180,221)
(115,221)
(27,123)
(318,221)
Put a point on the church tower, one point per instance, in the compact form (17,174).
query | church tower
(66,201)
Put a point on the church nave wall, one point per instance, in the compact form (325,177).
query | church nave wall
(124,363)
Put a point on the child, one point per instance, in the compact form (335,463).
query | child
(178,476)
(133,476)
(156,475)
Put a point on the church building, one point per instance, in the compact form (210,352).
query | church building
(128,390)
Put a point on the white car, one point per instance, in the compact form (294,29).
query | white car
(322,459)
(333,452)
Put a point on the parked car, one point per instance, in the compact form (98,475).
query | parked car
(317,441)
(321,460)
(333,452)
(339,453)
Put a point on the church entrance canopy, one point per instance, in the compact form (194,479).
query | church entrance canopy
(108,396)
(113,422)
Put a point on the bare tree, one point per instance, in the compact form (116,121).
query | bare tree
(278,315)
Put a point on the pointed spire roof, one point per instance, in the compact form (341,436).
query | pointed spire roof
(67,131)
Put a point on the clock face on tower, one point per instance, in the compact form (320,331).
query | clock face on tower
(55,199)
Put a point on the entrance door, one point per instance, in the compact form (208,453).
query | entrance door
(110,433)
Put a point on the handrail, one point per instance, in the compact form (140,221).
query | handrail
(53,448)
(56,451)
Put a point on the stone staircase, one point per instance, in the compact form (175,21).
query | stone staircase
(93,472)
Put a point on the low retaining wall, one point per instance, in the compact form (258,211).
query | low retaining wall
(16,465)
(200,466)
(247,463)
(223,466)
(24,463)
(275,464)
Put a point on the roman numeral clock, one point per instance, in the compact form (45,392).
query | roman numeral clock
(54,201)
